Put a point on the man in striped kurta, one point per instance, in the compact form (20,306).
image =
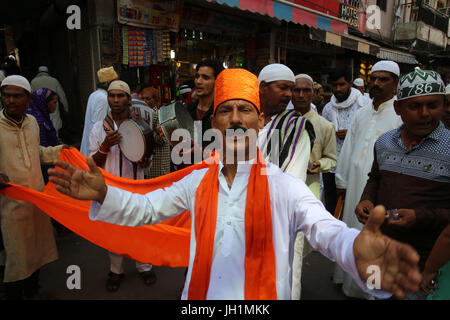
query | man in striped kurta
(286,140)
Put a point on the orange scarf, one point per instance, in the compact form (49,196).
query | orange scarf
(260,273)
(163,244)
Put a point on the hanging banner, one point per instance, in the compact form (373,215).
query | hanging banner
(150,14)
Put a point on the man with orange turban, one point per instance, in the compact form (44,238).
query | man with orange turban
(244,221)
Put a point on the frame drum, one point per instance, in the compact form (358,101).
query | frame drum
(175,116)
(137,139)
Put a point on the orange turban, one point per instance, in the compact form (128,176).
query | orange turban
(236,84)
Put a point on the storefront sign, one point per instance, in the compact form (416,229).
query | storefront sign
(345,9)
(145,14)
(350,14)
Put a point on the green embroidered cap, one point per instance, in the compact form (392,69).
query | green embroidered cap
(420,83)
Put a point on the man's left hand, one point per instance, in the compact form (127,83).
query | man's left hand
(315,168)
(398,262)
(145,163)
(406,218)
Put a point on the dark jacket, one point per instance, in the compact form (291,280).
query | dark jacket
(206,120)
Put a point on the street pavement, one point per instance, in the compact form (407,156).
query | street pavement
(93,263)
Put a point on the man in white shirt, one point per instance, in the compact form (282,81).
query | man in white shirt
(104,148)
(339,111)
(97,106)
(355,160)
(286,139)
(243,220)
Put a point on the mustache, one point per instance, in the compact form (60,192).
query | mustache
(233,131)
(375,88)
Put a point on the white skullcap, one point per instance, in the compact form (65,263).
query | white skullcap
(276,72)
(18,81)
(304,76)
(185,89)
(43,69)
(447,89)
(120,85)
(358,82)
(387,65)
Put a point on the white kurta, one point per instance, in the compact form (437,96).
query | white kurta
(96,110)
(340,114)
(354,165)
(293,206)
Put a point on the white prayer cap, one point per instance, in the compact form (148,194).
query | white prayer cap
(185,89)
(304,76)
(447,90)
(120,85)
(18,81)
(276,72)
(43,69)
(358,82)
(387,65)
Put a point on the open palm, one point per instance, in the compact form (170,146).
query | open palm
(397,262)
(78,183)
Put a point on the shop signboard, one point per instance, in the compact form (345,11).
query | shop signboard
(347,10)
(150,14)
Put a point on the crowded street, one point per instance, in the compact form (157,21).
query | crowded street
(225,150)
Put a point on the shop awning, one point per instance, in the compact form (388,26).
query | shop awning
(289,12)
(362,45)
(347,42)
(398,56)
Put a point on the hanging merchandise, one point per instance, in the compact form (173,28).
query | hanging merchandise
(124,45)
(136,57)
(159,45)
(149,47)
(166,44)
(142,47)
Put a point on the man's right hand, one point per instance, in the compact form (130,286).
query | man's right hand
(77,183)
(112,139)
(341,134)
(363,209)
(4,181)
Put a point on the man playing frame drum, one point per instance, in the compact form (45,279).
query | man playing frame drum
(104,148)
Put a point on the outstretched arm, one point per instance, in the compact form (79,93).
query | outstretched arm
(397,262)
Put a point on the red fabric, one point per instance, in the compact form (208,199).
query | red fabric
(164,244)
(260,271)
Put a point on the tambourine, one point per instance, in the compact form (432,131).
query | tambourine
(137,140)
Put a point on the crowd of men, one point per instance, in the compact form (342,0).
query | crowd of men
(387,146)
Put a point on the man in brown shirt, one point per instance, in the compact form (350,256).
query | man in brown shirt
(411,170)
